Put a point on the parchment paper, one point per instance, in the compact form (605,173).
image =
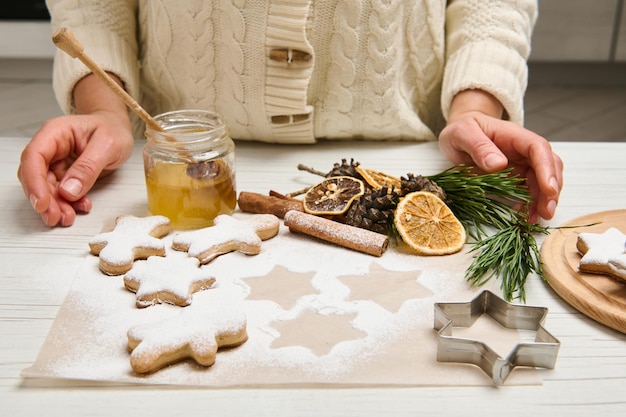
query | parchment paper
(324,328)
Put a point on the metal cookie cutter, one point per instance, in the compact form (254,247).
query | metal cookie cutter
(540,353)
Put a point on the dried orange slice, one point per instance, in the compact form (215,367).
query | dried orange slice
(333,195)
(428,225)
(377,179)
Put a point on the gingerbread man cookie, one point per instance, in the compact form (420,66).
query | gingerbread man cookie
(603,253)
(227,235)
(169,279)
(196,333)
(132,238)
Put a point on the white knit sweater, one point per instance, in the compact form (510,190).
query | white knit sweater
(293,71)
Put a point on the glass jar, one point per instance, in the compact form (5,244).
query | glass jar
(190,168)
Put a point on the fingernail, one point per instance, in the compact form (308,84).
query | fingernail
(73,187)
(551,207)
(83,207)
(554,184)
(33,201)
(493,160)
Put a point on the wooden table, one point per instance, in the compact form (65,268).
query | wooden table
(38,265)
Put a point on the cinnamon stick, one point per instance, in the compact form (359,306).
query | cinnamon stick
(265,204)
(275,193)
(350,237)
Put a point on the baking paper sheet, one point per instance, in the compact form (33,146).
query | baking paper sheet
(318,315)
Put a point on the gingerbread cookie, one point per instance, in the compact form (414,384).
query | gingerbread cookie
(227,235)
(132,238)
(603,253)
(196,333)
(169,279)
(618,266)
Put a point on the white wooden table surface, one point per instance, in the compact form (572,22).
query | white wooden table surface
(38,265)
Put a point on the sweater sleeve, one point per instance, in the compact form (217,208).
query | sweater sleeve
(488,44)
(108,32)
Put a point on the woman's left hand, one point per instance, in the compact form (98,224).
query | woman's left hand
(483,140)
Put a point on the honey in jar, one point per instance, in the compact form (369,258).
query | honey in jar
(190,168)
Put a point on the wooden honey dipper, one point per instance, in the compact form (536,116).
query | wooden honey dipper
(65,40)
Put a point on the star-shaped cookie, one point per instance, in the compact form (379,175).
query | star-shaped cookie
(617,266)
(167,280)
(227,235)
(603,253)
(132,238)
(196,333)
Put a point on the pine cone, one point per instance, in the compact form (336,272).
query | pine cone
(345,169)
(412,183)
(373,210)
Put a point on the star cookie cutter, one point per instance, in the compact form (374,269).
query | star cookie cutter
(540,353)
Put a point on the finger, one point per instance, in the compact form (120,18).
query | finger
(61,212)
(52,214)
(533,190)
(49,145)
(470,145)
(83,173)
(527,148)
(68,214)
(547,204)
(39,179)
(33,175)
(545,199)
(82,205)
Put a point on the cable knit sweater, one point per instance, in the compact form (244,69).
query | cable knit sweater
(293,71)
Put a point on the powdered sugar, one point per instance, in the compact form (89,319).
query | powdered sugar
(347,236)
(228,234)
(618,266)
(171,279)
(88,339)
(603,253)
(197,332)
(119,247)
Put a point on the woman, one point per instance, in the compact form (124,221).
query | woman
(294,72)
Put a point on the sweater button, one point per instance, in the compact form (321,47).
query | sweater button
(288,55)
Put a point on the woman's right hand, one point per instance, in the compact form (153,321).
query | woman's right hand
(68,154)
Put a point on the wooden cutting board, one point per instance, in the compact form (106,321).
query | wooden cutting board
(599,297)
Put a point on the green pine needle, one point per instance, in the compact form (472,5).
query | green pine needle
(510,254)
(482,203)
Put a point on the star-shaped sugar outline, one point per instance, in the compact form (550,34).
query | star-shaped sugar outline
(167,279)
(603,247)
(286,286)
(402,282)
(226,235)
(317,332)
(196,333)
(129,234)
